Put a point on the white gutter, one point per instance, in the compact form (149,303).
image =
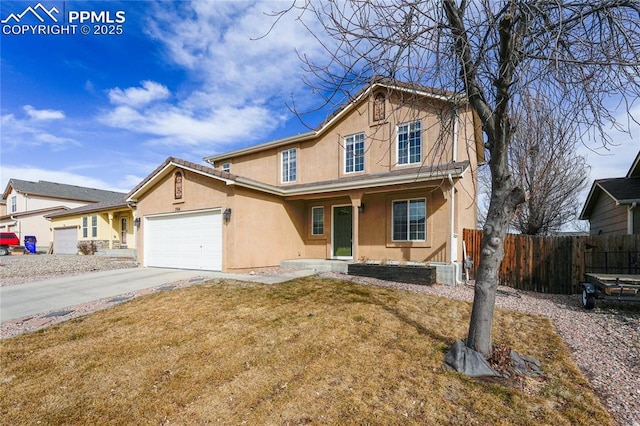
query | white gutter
(342,186)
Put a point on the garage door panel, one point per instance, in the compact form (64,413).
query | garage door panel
(186,241)
(65,241)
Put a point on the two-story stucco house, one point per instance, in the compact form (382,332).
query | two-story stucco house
(613,204)
(390,176)
(27,204)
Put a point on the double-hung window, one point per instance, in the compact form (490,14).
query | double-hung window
(354,153)
(289,165)
(410,143)
(14,204)
(94,226)
(410,220)
(317,221)
(85,227)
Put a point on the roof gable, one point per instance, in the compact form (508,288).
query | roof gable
(624,190)
(620,190)
(168,166)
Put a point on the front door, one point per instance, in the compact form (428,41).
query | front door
(342,231)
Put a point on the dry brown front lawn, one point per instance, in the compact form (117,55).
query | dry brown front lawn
(309,351)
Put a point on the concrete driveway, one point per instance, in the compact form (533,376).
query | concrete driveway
(22,300)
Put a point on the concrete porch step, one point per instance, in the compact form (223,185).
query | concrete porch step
(317,265)
(128,253)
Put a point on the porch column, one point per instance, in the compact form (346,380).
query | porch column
(356,203)
(110,230)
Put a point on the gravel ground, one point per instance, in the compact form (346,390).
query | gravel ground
(605,341)
(18,269)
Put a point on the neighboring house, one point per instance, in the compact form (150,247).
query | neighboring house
(27,204)
(613,205)
(109,225)
(378,180)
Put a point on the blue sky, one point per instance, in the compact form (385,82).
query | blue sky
(184,79)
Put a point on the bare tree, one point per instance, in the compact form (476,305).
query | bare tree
(545,163)
(575,55)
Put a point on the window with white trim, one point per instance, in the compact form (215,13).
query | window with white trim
(226,167)
(14,204)
(94,226)
(317,221)
(354,153)
(409,220)
(410,143)
(289,165)
(85,227)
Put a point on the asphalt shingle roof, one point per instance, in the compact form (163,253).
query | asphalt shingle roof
(63,191)
(621,189)
(93,207)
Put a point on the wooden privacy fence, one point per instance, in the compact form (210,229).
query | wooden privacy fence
(558,264)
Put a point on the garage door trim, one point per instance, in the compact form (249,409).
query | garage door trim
(188,245)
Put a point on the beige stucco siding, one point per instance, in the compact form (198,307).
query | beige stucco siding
(263,231)
(322,158)
(35,202)
(198,193)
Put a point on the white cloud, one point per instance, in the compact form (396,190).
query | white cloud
(174,125)
(39,131)
(43,114)
(239,82)
(139,96)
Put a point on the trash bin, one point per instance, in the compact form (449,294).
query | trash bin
(30,243)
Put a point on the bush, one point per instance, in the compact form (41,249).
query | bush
(87,247)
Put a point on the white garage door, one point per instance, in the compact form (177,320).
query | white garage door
(65,241)
(184,241)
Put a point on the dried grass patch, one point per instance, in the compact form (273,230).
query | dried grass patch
(308,351)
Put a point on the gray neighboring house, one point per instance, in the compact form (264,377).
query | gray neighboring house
(613,204)
(27,204)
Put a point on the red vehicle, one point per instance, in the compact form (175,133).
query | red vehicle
(8,240)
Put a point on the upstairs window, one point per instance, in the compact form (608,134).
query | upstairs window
(317,221)
(226,167)
(354,153)
(177,186)
(409,220)
(409,143)
(289,165)
(14,204)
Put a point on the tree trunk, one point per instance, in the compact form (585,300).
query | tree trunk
(505,197)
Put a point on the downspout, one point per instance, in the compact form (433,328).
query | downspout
(452,230)
(454,158)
